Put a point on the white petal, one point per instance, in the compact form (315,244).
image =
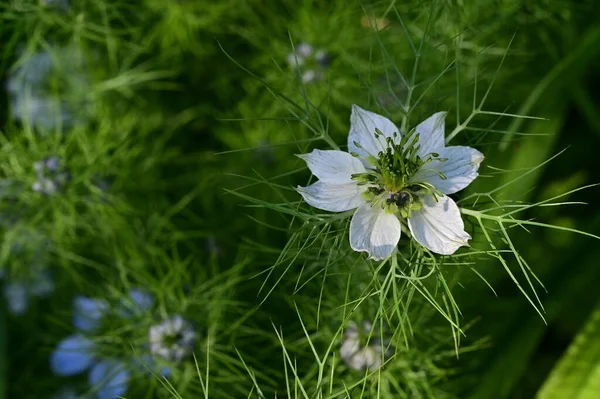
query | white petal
(372,358)
(155,334)
(333,197)
(178,323)
(295,60)
(460,169)
(362,131)
(438,225)
(431,134)
(350,346)
(351,330)
(304,50)
(333,166)
(375,231)
(348,353)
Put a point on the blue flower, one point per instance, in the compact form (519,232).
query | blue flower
(77,353)
(111,376)
(88,312)
(19,290)
(73,355)
(138,302)
(28,86)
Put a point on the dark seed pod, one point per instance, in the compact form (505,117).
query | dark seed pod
(401,198)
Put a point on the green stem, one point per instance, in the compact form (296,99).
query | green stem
(460,127)
(503,219)
(330,141)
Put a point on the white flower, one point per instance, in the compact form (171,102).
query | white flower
(356,353)
(173,339)
(51,177)
(388,176)
(311,76)
(304,50)
(315,62)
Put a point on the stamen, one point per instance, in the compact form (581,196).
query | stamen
(367,178)
(410,149)
(389,183)
(370,158)
(357,144)
(413,152)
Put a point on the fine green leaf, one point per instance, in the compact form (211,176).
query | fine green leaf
(577,374)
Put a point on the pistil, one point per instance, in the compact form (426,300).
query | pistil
(389,181)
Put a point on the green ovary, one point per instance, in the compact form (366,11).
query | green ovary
(390,184)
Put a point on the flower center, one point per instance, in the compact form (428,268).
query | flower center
(391,183)
(173,339)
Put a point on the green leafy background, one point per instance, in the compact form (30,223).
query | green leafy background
(192,112)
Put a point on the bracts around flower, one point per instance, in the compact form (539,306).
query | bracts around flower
(394,179)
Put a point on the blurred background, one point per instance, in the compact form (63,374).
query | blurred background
(149,145)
